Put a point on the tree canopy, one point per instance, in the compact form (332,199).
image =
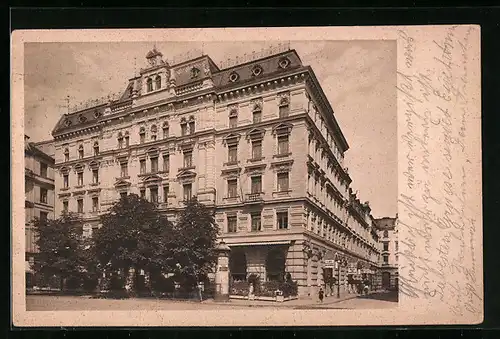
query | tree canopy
(59,243)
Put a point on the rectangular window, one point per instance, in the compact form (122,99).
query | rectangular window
(188,159)
(191,127)
(282,219)
(166,163)
(165,132)
(66,156)
(284,111)
(95,204)
(142,165)
(257,117)
(154,165)
(43,195)
(184,129)
(120,142)
(232,153)
(43,170)
(80,153)
(65,206)
(232,188)
(233,121)
(256,222)
(386,259)
(282,181)
(66,180)
(127,141)
(80,205)
(283,144)
(165,193)
(256,185)
(95,176)
(386,246)
(232,224)
(153,193)
(256,149)
(187,191)
(143,193)
(123,195)
(80,178)
(124,169)
(397,257)
(96,150)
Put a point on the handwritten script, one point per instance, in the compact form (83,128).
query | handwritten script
(437,232)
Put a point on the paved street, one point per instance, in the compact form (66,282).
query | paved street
(70,303)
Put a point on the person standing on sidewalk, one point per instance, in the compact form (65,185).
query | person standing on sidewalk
(321,294)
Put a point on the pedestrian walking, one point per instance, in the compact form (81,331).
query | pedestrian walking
(321,294)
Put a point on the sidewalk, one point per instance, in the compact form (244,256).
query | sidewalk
(304,302)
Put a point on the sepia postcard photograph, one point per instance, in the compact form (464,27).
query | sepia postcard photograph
(278,176)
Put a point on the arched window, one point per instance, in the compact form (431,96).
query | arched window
(120,140)
(184,127)
(149,84)
(165,130)
(153,132)
(257,113)
(96,148)
(142,135)
(386,234)
(80,152)
(158,82)
(66,154)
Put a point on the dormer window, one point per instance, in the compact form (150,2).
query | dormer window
(233,77)
(149,84)
(284,63)
(194,72)
(158,82)
(142,135)
(80,152)
(257,70)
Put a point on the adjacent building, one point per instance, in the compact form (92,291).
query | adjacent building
(388,233)
(258,140)
(39,197)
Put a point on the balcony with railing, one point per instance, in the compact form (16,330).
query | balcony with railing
(254,198)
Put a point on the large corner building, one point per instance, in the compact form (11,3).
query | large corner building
(259,140)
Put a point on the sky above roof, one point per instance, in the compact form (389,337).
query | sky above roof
(358,78)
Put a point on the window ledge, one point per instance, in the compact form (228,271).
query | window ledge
(284,155)
(255,159)
(187,168)
(123,178)
(280,194)
(64,188)
(95,184)
(79,186)
(231,163)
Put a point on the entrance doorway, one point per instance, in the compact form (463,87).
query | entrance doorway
(386,280)
(238,265)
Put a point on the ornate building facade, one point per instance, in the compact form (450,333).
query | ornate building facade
(388,233)
(259,140)
(39,197)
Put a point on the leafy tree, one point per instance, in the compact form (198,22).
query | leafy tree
(59,244)
(133,235)
(194,243)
